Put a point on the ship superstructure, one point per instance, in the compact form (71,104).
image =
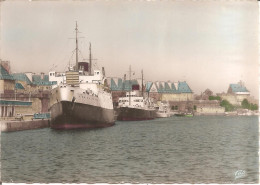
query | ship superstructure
(163,110)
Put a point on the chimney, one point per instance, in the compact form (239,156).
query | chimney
(241,83)
(6,65)
(42,76)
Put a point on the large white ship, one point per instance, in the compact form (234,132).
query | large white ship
(81,98)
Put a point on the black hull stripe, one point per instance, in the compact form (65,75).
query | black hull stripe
(80,115)
(132,114)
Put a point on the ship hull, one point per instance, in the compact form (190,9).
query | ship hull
(72,115)
(135,114)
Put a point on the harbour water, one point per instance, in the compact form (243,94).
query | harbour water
(170,150)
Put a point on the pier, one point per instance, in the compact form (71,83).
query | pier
(10,126)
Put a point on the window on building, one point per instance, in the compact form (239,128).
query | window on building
(175,107)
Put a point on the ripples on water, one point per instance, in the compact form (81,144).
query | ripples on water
(171,150)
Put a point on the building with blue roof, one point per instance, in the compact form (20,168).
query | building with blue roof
(169,87)
(33,82)
(42,81)
(19,86)
(236,93)
(4,74)
(22,78)
(118,84)
(159,91)
(9,105)
(119,87)
(170,91)
(148,86)
(7,82)
(22,93)
(238,88)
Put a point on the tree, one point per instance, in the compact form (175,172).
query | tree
(254,107)
(228,106)
(245,104)
(214,98)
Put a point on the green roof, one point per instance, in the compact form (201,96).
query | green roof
(165,87)
(37,80)
(173,88)
(4,75)
(19,86)
(122,85)
(21,77)
(148,86)
(162,87)
(183,87)
(238,88)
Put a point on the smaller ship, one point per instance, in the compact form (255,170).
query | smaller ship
(138,109)
(188,112)
(163,110)
(134,107)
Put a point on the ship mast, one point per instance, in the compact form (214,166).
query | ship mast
(142,84)
(90,59)
(130,88)
(76,29)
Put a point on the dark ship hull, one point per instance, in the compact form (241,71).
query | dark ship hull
(135,114)
(69,115)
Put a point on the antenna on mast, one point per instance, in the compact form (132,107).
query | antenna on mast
(142,84)
(130,88)
(76,67)
(90,59)
(77,63)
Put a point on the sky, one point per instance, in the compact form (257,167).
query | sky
(208,44)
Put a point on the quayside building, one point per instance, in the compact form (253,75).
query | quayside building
(176,93)
(236,93)
(22,93)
